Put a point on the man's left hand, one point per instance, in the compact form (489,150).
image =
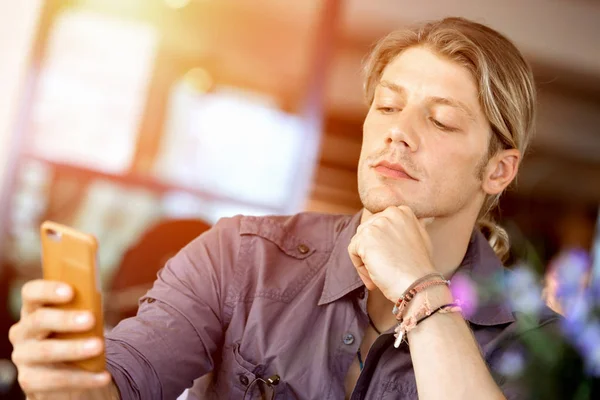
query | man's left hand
(391,250)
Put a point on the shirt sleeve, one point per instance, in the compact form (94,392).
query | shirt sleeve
(180,322)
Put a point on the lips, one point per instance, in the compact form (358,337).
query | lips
(392,170)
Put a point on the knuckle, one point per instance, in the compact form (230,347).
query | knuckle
(25,290)
(392,209)
(16,356)
(369,229)
(13,333)
(402,209)
(25,380)
(380,221)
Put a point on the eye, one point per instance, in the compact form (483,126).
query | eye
(386,110)
(441,126)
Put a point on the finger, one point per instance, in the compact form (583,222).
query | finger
(423,221)
(355,257)
(56,350)
(46,319)
(365,277)
(38,292)
(405,209)
(394,211)
(426,221)
(391,217)
(389,214)
(40,379)
(367,223)
(363,273)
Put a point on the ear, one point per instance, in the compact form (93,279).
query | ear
(500,171)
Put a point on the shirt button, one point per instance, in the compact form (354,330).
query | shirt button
(303,249)
(244,380)
(150,300)
(348,338)
(361,294)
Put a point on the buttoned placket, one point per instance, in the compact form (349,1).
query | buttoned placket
(382,342)
(362,299)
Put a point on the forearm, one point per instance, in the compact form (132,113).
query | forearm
(446,359)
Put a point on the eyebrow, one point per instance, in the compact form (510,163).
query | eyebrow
(432,99)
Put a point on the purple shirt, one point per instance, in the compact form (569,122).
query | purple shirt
(258,296)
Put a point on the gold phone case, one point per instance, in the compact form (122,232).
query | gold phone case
(69,256)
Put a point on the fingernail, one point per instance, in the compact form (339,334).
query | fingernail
(82,318)
(90,345)
(63,291)
(101,377)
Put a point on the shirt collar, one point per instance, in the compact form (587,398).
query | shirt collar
(480,270)
(341,277)
(479,282)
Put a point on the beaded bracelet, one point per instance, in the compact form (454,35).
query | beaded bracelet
(415,283)
(411,292)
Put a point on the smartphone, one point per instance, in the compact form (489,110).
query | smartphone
(70,256)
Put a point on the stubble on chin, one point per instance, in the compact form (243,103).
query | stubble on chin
(377,202)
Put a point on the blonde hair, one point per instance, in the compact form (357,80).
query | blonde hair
(506,88)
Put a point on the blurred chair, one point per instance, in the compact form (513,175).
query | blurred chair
(141,262)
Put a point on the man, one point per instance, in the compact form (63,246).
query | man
(302,306)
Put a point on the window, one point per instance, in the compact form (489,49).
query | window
(92,90)
(231,143)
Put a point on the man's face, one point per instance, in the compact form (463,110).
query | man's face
(425,138)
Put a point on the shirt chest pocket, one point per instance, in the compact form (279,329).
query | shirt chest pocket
(248,379)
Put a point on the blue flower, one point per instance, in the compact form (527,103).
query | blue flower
(511,363)
(588,343)
(524,291)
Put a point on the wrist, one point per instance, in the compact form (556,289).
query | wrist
(436,296)
(402,284)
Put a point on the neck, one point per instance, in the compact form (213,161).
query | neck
(450,240)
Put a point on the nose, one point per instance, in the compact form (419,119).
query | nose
(402,130)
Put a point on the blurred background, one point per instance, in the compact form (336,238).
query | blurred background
(145,121)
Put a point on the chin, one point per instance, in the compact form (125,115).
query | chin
(375,203)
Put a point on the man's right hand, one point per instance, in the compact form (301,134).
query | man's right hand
(40,360)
